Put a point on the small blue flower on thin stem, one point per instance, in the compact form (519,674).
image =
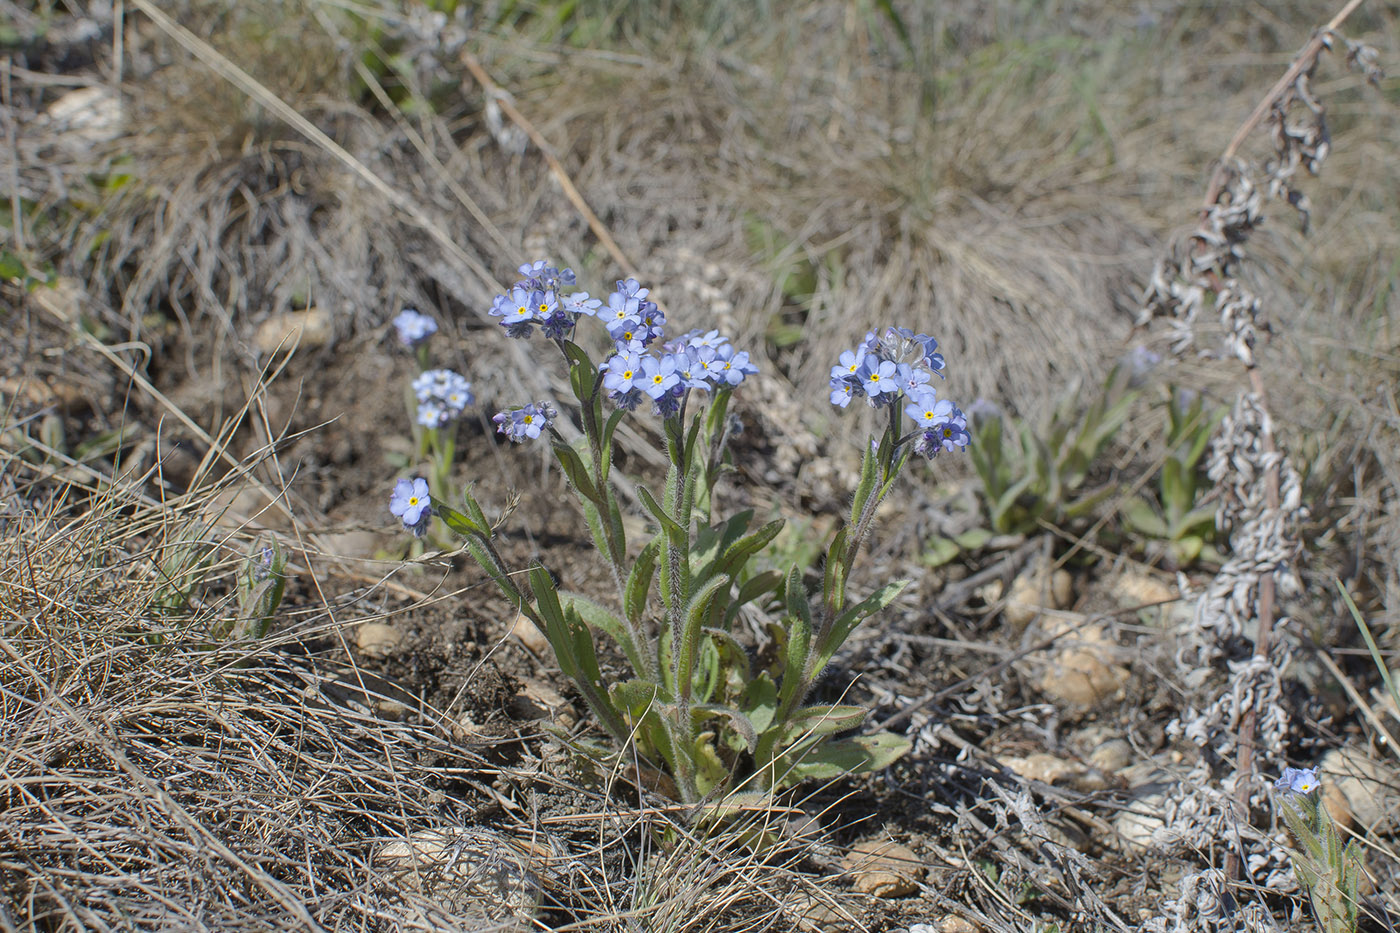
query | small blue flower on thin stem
(849,364)
(658,375)
(631,288)
(877,377)
(412,504)
(1298,781)
(926,409)
(522,305)
(628,335)
(690,369)
(621,308)
(623,371)
(580,304)
(414,327)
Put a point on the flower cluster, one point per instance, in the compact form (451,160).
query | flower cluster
(414,327)
(412,503)
(537,300)
(636,371)
(900,364)
(698,360)
(441,394)
(525,423)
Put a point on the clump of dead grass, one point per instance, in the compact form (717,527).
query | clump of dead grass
(151,777)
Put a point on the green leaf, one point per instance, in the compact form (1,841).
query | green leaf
(799,649)
(974,539)
(822,720)
(639,580)
(756,586)
(732,657)
(461,524)
(1140,516)
(484,559)
(576,471)
(834,569)
(848,620)
(1186,549)
(733,560)
(711,541)
(833,759)
(1200,522)
(673,529)
(12,268)
(643,706)
(701,598)
(1177,495)
(795,594)
(610,428)
(760,701)
(602,619)
(939,551)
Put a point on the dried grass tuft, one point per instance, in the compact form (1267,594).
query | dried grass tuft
(152,779)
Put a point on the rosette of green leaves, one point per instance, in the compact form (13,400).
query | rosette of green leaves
(1176,517)
(1040,475)
(696,703)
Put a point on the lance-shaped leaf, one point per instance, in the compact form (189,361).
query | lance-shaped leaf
(487,561)
(822,720)
(639,581)
(602,619)
(760,701)
(753,588)
(583,375)
(711,541)
(693,621)
(463,525)
(834,572)
(673,528)
(737,555)
(645,708)
(797,663)
(826,760)
(573,648)
(609,429)
(576,471)
(733,659)
(845,623)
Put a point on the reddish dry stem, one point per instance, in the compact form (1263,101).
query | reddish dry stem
(1245,766)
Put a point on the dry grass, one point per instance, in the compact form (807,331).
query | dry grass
(153,778)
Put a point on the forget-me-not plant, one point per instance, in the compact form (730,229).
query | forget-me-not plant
(700,703)
(1327,870)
